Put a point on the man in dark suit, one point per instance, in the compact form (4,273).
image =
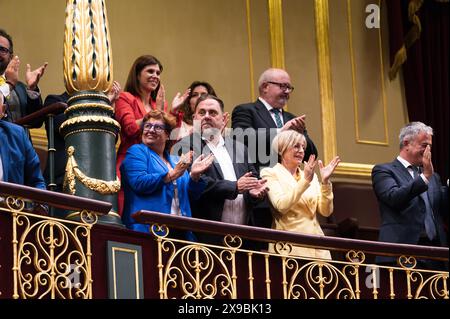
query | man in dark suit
(267,116)
(23,99)
(256,124)
(19,162)
(232,182)
(410,194)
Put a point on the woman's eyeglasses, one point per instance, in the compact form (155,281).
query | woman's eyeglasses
(157,127)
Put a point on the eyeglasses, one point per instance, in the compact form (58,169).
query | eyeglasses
(157,127)
(4,50)
(283,86)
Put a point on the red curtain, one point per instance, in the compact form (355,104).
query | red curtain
(425,72)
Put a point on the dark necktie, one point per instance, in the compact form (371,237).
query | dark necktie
(276,113)
(430,227)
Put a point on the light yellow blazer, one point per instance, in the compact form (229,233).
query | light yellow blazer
(295,205)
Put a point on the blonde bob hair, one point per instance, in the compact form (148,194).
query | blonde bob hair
(285,140)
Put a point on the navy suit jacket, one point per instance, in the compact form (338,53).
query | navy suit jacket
(19,159)
(143,173)
(401,207)
(256,116)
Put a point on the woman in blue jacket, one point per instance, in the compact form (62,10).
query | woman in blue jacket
(156,181)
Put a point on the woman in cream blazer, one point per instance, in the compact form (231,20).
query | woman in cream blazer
(297,195)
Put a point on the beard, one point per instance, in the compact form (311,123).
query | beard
(210,132)
(3,65)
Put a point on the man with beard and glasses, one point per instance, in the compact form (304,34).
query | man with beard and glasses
(233,186)
(21,98)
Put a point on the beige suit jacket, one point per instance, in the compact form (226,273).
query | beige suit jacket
(295,206)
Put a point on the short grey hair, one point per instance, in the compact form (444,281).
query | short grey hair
(411,130)
(267,76)
(285,140)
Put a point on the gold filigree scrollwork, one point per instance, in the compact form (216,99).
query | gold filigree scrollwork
(161,231)
(407,262)
(90,118)
(195,271)
(283,248)
(355,257)
(96,185)
(51,260)
(232,241)
(435,286)
(88,217)
(317,279)
(16,204)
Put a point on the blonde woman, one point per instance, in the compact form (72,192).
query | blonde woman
(296,195)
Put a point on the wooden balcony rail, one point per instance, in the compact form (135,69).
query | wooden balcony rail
(39,116)
(54,199)
(266,235)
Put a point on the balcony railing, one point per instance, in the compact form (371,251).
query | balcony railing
(192,270)
(46,252)
(41,255)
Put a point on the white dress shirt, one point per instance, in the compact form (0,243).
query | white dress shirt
(233,210)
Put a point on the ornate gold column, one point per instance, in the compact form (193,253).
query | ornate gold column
(90,130)
(276,33)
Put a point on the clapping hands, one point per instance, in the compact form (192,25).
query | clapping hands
(325,171)
(179,99)
(32,77)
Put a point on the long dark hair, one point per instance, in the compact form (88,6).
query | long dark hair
(141,62)
(186,107)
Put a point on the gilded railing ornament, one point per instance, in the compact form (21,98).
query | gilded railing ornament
(88,217)
(356,257)
(232,241)
(161,231)
(317,280)
(283,248)
(407,262)
(16,204)
(72,172)
(51,260)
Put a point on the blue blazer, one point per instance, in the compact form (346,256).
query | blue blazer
(19,159)
(143,173)
(401,207)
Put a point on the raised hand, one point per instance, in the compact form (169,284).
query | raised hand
(12,71)
(160,97)
(428,169)
(179,99)
(113,94)
(32,77)
(200,165)
(297,124)
(308,169)
(325,172)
